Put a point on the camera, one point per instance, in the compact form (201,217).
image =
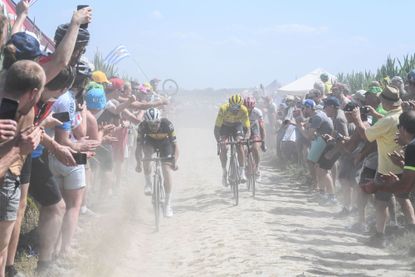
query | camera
(365,110)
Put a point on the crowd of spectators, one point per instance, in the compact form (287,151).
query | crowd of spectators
(357,148)
(66,112)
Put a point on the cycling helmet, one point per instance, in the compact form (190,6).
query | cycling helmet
(84,67)
(83,73)
(250,102)
(152,114)
(81,41)
(236,100)
(411,76)
(324,77)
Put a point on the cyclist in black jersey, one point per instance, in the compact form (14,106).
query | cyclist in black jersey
(156,133)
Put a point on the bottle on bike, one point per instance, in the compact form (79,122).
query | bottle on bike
(232,121)
(157,133)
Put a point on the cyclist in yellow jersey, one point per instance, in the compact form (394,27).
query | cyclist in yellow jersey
(232,121)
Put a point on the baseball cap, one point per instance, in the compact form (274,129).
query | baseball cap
(117,83)
(95,98)
(309,103)
(332,101)
(100,77)
(27,46)
(359,97)
(375,90)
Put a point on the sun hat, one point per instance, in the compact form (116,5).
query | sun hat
(391,94)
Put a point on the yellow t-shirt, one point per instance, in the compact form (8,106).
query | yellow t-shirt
(227,118)
(384,132)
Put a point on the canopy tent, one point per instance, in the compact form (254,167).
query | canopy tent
(303,85)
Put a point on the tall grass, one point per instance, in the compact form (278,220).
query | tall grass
(392,67)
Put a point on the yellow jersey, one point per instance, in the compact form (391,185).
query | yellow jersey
(228,118)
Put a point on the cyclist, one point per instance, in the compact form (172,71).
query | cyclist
(232,120)
(156,133)
(257,129)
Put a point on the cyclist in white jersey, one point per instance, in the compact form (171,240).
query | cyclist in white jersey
(257,129)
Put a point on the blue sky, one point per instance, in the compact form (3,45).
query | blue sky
(224,44)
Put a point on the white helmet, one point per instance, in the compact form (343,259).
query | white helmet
(152,114)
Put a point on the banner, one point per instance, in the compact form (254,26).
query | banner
(9,9)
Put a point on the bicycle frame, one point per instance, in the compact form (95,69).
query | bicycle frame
(159,193)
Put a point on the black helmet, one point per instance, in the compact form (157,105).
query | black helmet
(81,41)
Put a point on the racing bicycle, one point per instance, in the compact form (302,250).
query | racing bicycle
(158,191)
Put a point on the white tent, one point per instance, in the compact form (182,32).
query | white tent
(303,85)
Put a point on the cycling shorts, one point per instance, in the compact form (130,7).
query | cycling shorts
(236,131)
(165,147)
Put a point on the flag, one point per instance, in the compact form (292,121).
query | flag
(116,55)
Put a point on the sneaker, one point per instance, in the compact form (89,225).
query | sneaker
(343,213)
(169,211)
(358,228)
(148,190)
(88,212)
(377,241)
(225,179)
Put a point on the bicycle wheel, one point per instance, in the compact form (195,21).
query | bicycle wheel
(156,200)
(252,173)
(170,87)
(234,178)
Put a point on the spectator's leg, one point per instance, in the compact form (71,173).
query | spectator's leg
(407,209)
(6,229)
(382,215)
(73,201)
(14,240)
(50,223)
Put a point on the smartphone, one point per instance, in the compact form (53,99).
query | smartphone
(80,158)
(80,7)
(62,117)
(8,109)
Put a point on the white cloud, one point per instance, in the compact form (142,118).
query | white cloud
(293,29)
(156,14)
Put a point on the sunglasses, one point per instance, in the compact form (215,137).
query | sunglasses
(235,107)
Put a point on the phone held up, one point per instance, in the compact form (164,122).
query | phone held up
(80,7)
(8,109)
(62,117)
(80,158)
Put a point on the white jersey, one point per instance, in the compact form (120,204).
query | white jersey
(255,116)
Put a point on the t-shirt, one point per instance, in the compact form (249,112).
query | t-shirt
(410,156)
(321,123)
(384,132)
(67,103)
(255,116)
(340,123)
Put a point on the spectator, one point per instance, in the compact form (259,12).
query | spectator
(383,132)
(24,83)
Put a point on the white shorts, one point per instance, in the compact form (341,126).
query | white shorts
(69,177)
